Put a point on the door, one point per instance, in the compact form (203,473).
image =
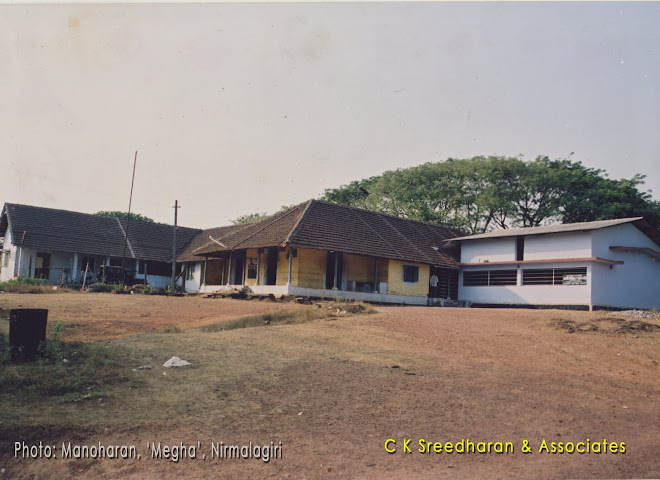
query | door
(42,267)
(333,268)
(238,267)
(271,266)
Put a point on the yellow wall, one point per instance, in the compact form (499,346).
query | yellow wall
(283,268)
(395,285)
(310,268)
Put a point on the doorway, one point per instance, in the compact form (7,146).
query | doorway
(333,269)
(238,267)
(42,266)
(271,266)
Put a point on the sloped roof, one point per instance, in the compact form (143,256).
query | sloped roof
(326,226)
(204,240)
(63,230)
(561,228)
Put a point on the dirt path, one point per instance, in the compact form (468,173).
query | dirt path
(333,391)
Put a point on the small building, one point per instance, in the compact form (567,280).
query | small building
(319,249)
(60,245)
(602,264)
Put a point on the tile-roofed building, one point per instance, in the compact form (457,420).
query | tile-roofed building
(321,246)
(59,244)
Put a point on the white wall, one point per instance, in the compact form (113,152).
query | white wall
(558,245)
(194,284)
(528,294)
(491,250)
(7,272)
(636,283)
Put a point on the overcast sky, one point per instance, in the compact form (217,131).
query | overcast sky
(237,108)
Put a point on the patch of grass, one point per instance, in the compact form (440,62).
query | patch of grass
(27,285)
(292,317)
(171,328)
(64,370)
(604,325)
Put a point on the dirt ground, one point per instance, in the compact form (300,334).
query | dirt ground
(334,390)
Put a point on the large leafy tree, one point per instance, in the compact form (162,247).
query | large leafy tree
(483,193)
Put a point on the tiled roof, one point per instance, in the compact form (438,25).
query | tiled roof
(204,240)
(566,227)
(326,226)
(63,230)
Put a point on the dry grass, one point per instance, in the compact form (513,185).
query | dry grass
(329,391)
(293,317)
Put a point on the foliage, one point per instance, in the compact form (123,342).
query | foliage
(171,328)
(482,193)
(256,217)
(124,215)
(249,218)
(27,285)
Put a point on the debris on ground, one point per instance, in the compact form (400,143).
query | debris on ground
(176,362)
(605,325)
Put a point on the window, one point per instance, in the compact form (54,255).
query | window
(161,269)
(490,278)
(555,276)
(190,271)
(520,248)
(410,274)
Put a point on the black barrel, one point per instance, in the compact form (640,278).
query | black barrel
(27,329)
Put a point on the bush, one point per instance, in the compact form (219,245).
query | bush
(26,285)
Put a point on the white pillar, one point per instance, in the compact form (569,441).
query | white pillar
(74,272)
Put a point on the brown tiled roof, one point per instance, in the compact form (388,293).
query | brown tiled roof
(326,226)
(270,232)
(203,240)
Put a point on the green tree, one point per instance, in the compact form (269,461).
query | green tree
(124,215)
(249,218)
(352,195)
(482,193)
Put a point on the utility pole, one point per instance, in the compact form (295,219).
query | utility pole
(128,221)
(176,208)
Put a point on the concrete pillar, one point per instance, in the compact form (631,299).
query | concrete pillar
(74,272)
(228,270)
(334,284)
(258,266)
(290,265)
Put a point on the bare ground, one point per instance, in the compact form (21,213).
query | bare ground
(332,391)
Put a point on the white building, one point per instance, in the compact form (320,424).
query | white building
(602,264)
(59,245)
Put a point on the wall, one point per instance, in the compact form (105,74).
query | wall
(636,283)
(311,268)
(492,250)
(395,285)
(528,294)
(283,268)
(7,271)
(559,245)
(58,262)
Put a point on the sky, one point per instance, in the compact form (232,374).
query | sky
(242,108)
